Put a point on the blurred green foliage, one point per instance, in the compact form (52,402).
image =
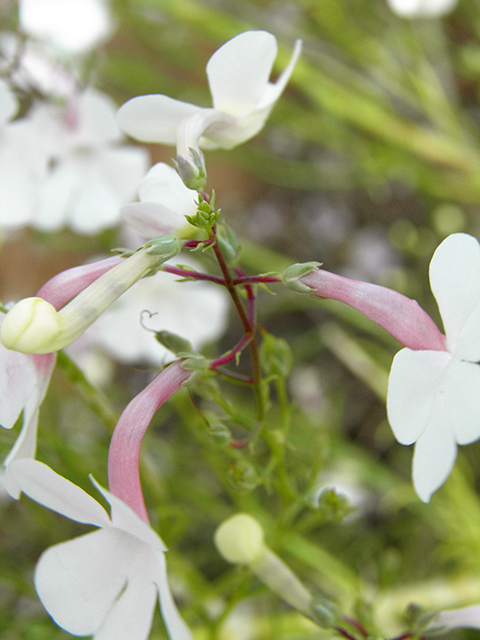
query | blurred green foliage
(368,161)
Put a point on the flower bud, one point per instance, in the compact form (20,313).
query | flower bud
(229,244)
(165,247)
(173,342)
(240,539)
(192,171)
(31,324)
(292,275)
(34,326)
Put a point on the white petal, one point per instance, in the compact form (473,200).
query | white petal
(8,103)
(56,196)
(95,207)
(24,448)
(131,615)
(18,377)
(152,219)
(162,184)
(45,486)
(94,118)
(154,118)
(461,618)
(26,444)
(238,72)
(413,385)
(119,332)
(468,343)
(123,168)
(274,90)
(176,627)
(79,581)
(124,518)
(455,281)
(461,388)
(421,8)
(72,25)
(434,456)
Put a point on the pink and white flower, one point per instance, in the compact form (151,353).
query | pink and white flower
(106,583)
(103,583)
(434,382)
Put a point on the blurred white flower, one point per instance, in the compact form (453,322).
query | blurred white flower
(164,203)
(73,26)
(32,67)
(422,8)
(77,172)
(196,311)
(23,159)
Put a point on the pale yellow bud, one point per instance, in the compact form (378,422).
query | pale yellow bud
(31,326)
(240,539)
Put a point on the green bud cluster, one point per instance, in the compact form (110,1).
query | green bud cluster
(206,216)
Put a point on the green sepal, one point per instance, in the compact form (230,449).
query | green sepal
(291,276)
(173,342)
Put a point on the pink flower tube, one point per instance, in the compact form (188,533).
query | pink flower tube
(402,317)
(67,284)
(124,453)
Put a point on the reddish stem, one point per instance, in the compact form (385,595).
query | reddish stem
(256,279)
(344,633)
(231,354)
(196,275)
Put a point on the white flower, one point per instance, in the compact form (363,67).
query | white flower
(433,396)
(422,8)
(103,583)
(197,311)
(79,175)
(164,203)
(238,75)
(73,26)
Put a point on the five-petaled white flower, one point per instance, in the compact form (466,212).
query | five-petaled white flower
(422,8)
(238,75)
(433,396)
(103,583)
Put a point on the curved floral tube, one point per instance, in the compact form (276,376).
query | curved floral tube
(124,452)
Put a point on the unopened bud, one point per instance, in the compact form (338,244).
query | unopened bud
(173,342)
(192,170)
(228,243)
(165,247)
(292,275)
(31,323)
(276,355)
(240,539)
(34,326)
